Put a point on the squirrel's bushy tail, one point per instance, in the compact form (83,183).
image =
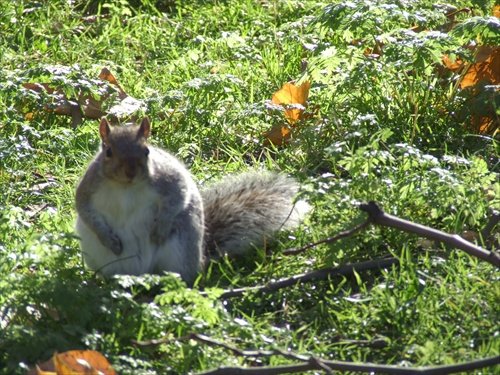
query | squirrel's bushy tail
(247,209)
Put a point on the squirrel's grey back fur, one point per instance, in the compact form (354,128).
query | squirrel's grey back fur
(242,210)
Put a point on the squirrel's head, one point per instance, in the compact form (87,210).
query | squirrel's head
(125,151)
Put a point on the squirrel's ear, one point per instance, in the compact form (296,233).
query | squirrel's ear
(104,129)
(145,127)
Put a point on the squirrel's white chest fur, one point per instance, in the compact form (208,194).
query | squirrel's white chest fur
(130,211)
(127,206)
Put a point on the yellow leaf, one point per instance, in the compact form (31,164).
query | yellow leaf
(496,11)
(278,135)
(106,75)
(486,69)
(84,104)
(291,95)
(483,72)
(39,371)
(75,362)
(64,368)
(294,99)
(83,362)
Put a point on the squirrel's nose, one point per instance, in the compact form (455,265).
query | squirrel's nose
(130,173)
(130,170)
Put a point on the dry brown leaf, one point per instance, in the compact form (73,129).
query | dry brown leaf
(84,362)
(39,371)
(294,100)
(75,362)
(278,135)
(290,95)
(61,105)
(46,368)
(496,11)
(106,75)
(486,71)
(125,106)
(68,368)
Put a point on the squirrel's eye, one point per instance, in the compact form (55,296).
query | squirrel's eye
(109,152)
(146,152)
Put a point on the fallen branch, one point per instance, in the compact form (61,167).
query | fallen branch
(494,220)
(322,274)
(379,217)
(236,351)
(310,363)
(347,233)
(265,370)
(313,363)
(357,367)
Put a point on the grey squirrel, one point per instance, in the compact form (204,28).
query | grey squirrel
(139,210)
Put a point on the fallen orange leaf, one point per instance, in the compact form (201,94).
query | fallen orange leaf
(69,368)
(278,135)
(39,371)
(106,75)
(85,104)
(75,362)
(290,95)
(294,100)
(485,71)
(496,11)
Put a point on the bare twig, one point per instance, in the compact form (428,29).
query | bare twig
(264,370)
(494,219)
(381,218)
(357,367)
(347,269)
(308,363)
(206,340)
(236,351)
(375,343)
(347,233)
(313,363)
(319,364)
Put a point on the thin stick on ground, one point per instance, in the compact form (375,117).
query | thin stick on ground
(494,220)
(322,274)
(308,362)
(236,351)
(355,367)
(379,217)
(344,234)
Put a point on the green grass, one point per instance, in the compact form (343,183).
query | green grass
(387,129)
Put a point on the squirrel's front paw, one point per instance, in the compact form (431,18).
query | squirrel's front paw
(114,243)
